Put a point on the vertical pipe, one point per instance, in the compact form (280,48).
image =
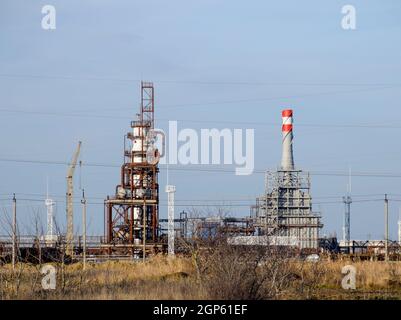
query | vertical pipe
(144,230)
(386,226)
(14,231)
(131,225)
(105,221)
(109,223)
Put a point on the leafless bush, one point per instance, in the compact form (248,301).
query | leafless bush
(240,272)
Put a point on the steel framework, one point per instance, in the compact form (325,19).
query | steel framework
(347,218)
(132,214)
(285,210)
(284,213)
(170,189)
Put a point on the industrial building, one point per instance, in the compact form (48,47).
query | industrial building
(282,216)
(284,212)
(132,214)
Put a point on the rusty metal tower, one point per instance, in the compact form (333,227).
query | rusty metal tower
(132,215)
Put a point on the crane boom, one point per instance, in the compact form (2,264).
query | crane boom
(69,209)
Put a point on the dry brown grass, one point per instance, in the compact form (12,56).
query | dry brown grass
(158,278)
(374,280)
(166,278)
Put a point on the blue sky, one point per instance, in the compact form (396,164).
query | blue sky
(220,64)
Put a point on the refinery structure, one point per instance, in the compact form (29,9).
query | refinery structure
(282,216)
(284,211)
(132,214)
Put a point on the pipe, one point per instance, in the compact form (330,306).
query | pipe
(287,159)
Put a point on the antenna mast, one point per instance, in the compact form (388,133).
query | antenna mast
(49,203)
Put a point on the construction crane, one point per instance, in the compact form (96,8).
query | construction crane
(70,205)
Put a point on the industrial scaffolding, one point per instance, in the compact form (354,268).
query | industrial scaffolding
(132,215)
(284,213)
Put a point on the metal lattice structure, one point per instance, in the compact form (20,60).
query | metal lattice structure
(69,201)
(132,214)
(284,213)
(170,189)
(285,210)
(50,203)
(347,218)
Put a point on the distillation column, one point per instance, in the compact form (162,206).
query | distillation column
(132,214)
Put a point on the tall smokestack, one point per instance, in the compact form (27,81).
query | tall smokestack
(287,159)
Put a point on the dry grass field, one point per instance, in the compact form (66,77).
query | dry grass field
(158,278)
(182,278)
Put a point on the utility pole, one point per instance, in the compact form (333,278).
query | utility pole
(399,228)
(14,235)
(83,201)
(386,226)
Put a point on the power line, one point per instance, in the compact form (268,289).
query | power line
(253,123)
(278,97)
(222,170)
(217,204)
(58,114)
(40,197)
(196,82)
(220,201)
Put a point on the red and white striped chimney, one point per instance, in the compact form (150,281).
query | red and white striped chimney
(287,159)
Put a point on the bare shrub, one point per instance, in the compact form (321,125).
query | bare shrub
(241,272)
